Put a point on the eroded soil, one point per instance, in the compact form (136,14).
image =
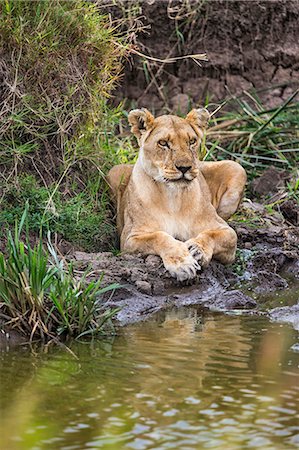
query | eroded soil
(251,45)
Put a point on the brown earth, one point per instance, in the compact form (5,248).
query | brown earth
(265,250)
(251,45)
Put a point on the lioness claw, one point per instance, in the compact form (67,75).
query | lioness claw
(186,270)
(196,252)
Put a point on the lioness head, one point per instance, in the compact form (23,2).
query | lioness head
(168,144)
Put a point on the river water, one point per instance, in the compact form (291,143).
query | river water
(187,379)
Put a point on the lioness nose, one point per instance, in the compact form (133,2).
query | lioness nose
(183,169)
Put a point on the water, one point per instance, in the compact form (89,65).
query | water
(186,380)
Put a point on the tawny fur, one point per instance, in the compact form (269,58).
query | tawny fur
(161,211)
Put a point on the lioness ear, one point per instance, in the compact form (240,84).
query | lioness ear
(140,121)
(198,117)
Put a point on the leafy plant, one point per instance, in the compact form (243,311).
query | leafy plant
(40,294)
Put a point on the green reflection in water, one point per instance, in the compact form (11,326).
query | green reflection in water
(186,380)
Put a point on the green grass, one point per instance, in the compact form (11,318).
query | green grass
(255,136)
(77,207)
(59,136)
(242,258)
(59,61)
(81,218)
(40,295)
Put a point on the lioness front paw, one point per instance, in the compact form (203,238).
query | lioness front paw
(182,268)
(197,252)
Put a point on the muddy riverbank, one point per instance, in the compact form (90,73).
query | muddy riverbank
(264,280)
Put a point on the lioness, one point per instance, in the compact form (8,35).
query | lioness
(171,204)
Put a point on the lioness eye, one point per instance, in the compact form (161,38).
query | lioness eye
(192,141)
(163,143)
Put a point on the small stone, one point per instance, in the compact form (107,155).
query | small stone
(158,287)
(234,299)
(138,275)
(269,182)
(295,347)
(144,287)
(248,245)
(286,314)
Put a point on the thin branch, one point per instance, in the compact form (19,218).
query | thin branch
(197,57)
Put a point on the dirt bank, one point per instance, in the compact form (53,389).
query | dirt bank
(250,45)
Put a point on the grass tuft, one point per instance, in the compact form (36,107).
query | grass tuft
(257,137)
(40,295)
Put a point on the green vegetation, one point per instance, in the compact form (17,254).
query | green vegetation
(255,136)
(58,137)
(81,218)
(60,60)
(242,258)
(40,295)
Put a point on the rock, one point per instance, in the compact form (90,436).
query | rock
(271,181)
(144,287)
(293,268)
(286,314)
(234,299)
(265,253)
(290,211)
(158,287)
(268,282)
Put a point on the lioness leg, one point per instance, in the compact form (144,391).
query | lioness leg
(175,254)
(226,181)
(118,178)
(219,243)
